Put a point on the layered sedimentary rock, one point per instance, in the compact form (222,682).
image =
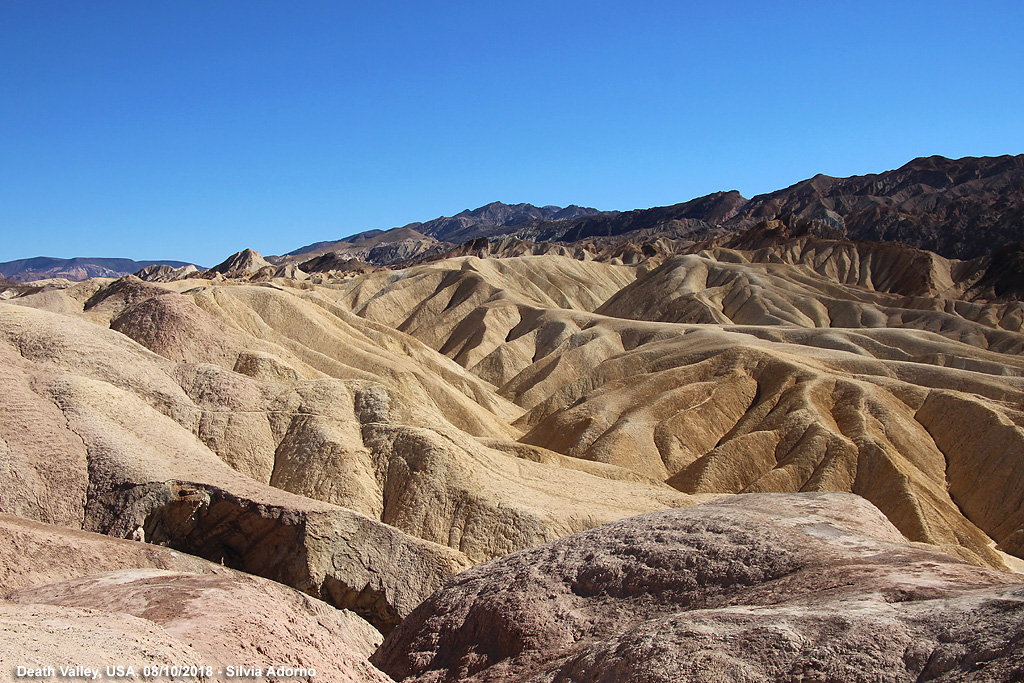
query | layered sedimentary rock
(960,208)
(581,391)
(261,391)
(822,387)
(102,437)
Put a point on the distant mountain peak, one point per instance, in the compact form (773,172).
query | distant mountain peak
(245,261)
(469,224)
(960,208)
(497,217)
(79,268)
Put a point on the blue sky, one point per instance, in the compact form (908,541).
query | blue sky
(191,130)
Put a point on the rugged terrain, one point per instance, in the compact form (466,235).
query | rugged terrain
(340,442)
(958,208)
(762,587)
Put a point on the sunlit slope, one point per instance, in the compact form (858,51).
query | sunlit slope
(805,395)
(284,390)
(489,405)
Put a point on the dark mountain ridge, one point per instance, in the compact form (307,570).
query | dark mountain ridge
(484,221)
(698,216)
(959,208)
(470,224)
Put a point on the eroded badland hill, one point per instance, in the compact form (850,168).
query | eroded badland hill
(623,454)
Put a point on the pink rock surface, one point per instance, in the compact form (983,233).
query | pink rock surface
(760,587)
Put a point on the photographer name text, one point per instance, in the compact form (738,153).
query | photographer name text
(161,671)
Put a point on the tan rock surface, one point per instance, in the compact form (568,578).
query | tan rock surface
(467,307)
(132,468)
(74,597)
(225,620)
(40,636)
(749,408)
(245,262)
(770,407)
(133,418)
(726,412)
(33,553)
(729,287)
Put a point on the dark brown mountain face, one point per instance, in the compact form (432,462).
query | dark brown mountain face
(437,236)
(332,261)
(1004,277)
(495,218)
(697,217)
(959,208)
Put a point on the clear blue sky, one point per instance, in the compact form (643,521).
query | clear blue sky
(190,130)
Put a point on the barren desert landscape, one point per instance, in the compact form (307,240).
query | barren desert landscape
(775,439)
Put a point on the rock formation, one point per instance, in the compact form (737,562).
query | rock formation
(766,406)
(766,587)
(959,208)
(245,262)
(79,599)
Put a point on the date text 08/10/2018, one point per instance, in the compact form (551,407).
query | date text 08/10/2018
(160,671)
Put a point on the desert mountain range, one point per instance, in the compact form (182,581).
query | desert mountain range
(774,439)
(959,208)
(75,269)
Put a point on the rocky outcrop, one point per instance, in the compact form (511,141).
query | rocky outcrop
(158,273)
(336,555)
(335,262)
(33,553)
(234,433)
(725,412)
(1003,278)
(753,588)
(698,218)
(111,449)
(960,208)
(811,282)
(426,241)
(467,308)
(245,262)
(496,217)
(365,438)
(73,597)
(508,247)
(227,620)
